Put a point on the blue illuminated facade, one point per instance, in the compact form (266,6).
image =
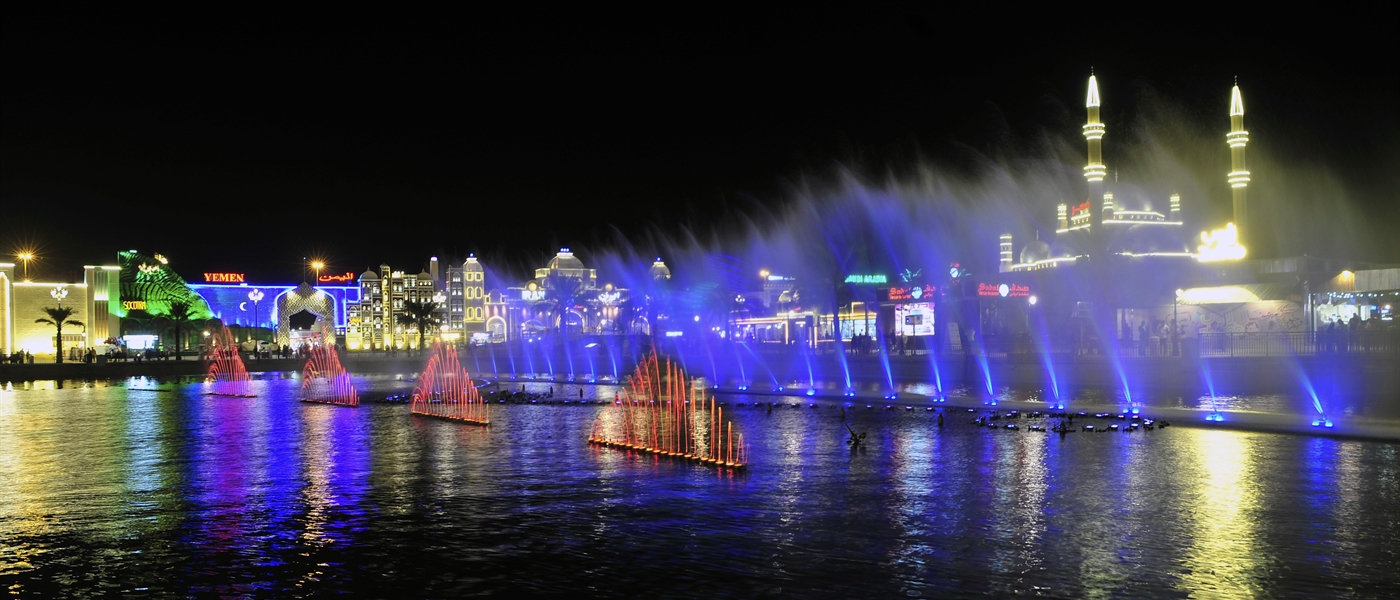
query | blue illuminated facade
(231,304)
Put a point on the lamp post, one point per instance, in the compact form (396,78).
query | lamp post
(1030,301)
(58,294)
(1176,326)
(316,266)
(25,257)
(256,296)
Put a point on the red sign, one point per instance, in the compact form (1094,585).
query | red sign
(1080,209)
(1004,290)
(223,278)
(348,276)
(918,292)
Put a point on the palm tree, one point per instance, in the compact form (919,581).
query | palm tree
(421,315)
(563,293)
(58,317)
(180,314)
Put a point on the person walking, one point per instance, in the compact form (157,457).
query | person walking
(1142,338)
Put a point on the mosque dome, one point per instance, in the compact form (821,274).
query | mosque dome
(565,260)
(659,270)
(472,265)
(1035,251)
(369,274)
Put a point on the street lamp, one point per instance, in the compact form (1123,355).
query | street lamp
(1176,326)
(25,257)
(256,296)
(316,266)
(58,294)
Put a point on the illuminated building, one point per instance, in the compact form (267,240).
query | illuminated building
(536,307)
(1129,227)
(372,322)
(466,298)
(149,285)
(21,302)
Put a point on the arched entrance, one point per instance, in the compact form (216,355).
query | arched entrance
(308,300)
(496,326)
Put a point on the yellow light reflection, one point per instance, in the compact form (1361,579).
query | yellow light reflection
(1223,558)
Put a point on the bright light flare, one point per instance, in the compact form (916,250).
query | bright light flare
(1221,244)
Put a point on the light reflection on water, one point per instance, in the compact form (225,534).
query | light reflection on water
(154,485)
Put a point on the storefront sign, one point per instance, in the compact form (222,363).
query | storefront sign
(918,292)
(1003,290)
(865,279)
(1080,209)
(130,305)
(348,276)
(223,278)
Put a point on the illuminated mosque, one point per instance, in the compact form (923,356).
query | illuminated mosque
(1120,230)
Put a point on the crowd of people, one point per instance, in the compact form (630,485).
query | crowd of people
(1355,335)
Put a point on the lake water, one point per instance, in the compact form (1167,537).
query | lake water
(140,487)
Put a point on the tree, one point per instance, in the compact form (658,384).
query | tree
(562,293)
(421,315)
(180,313)
(58,317)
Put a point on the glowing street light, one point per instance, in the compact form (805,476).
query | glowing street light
(316,266)
(24,257)
(1176,326)
(256,296)
(59,293)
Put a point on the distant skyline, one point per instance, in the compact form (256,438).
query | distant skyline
(224,140)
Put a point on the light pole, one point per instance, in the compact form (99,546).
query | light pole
(1176,326)
(1029,303)
(25,257)
(316,266)
(58,294)
(256,296)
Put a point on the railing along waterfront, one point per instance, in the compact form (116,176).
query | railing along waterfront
(1299,343)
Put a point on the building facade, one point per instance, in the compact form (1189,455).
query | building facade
(373,322)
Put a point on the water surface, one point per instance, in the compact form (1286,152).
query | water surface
(151,488)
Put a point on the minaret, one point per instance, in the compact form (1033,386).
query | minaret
(1176,208)
(1095,171)
(1004,264)
(1062,212)
(1239,175)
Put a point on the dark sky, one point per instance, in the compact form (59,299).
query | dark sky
(243,140)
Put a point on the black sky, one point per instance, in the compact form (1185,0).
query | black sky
(243,140)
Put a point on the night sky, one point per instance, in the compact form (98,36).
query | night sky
(244,140)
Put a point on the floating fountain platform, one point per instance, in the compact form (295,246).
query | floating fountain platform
(661,412)
(445,390)
(325,380)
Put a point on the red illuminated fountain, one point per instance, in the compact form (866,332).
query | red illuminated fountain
(324,380)
(445,391)
(226,371)
(661,412)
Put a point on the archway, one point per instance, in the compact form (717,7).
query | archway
(496,326)
(309,300)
